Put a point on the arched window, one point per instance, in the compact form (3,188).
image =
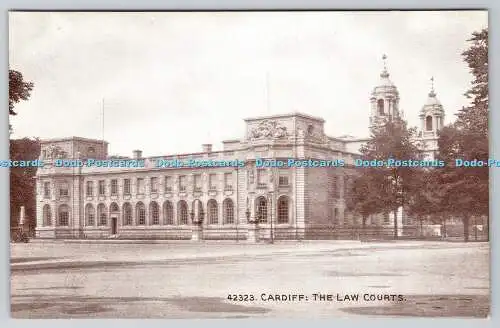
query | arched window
(140,212)
(154,213)
(168,213)
(228,211)
(283,209)
(127,214)
(182,212)
(261,204)
(213,213)
(63,215)
(113,208)
(89,215)
(380,107)
(428,123)
(47,215)
(101,215)
(310,129)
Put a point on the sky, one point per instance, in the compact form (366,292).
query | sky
(170,82)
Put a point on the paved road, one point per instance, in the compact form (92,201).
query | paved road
(188,280)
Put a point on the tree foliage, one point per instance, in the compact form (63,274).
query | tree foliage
(464,191)
(474,118)
(22,179)
(362,197)
(18,89)
(385,189)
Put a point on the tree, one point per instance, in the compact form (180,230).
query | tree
(18,89)
(465,190)
(362,197)
(392,185)
(474,118)
(425,202)
(22,182)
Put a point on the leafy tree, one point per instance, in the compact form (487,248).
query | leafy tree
(362,197)
(463,193)
(465,190)
(425,202)
(18,89)
(392,185)
(22,182)
(474,118)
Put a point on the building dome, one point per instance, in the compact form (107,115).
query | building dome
(385,85)
(432,102)
(432,99)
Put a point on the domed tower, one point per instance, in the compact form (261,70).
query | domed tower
(431,121)
(384,99)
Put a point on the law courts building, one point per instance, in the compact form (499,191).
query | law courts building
(167,203)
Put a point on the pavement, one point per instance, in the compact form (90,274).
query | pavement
(64,279)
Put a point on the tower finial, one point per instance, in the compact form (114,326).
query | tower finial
(384,73)
(432,93)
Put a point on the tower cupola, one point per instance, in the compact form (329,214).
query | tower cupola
(384,99)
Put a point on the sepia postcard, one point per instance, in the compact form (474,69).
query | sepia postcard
(279,164)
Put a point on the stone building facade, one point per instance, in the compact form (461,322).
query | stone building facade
(166,202)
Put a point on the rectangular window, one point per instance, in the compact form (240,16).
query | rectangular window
(154,184)
(64,189)
(182,183)
(102,187)
(408,220)
(212,181)
(228,181)
(387,220)
(168,184)
(336,190)
(63,218)
(197,182)
(90,188)
(114,187)
(126,186)
(140,186)
(336,219)
(46,190)
(283,181)
(347,186)
(261,178)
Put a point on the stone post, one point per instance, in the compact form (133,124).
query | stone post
(252,229)
(197,226)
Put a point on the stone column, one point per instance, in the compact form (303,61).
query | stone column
(399,217)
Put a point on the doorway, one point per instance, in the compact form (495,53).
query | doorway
(114,223)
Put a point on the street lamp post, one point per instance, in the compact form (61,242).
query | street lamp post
(270,196)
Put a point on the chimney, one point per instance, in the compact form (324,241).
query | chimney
(207,148)
(137,154)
